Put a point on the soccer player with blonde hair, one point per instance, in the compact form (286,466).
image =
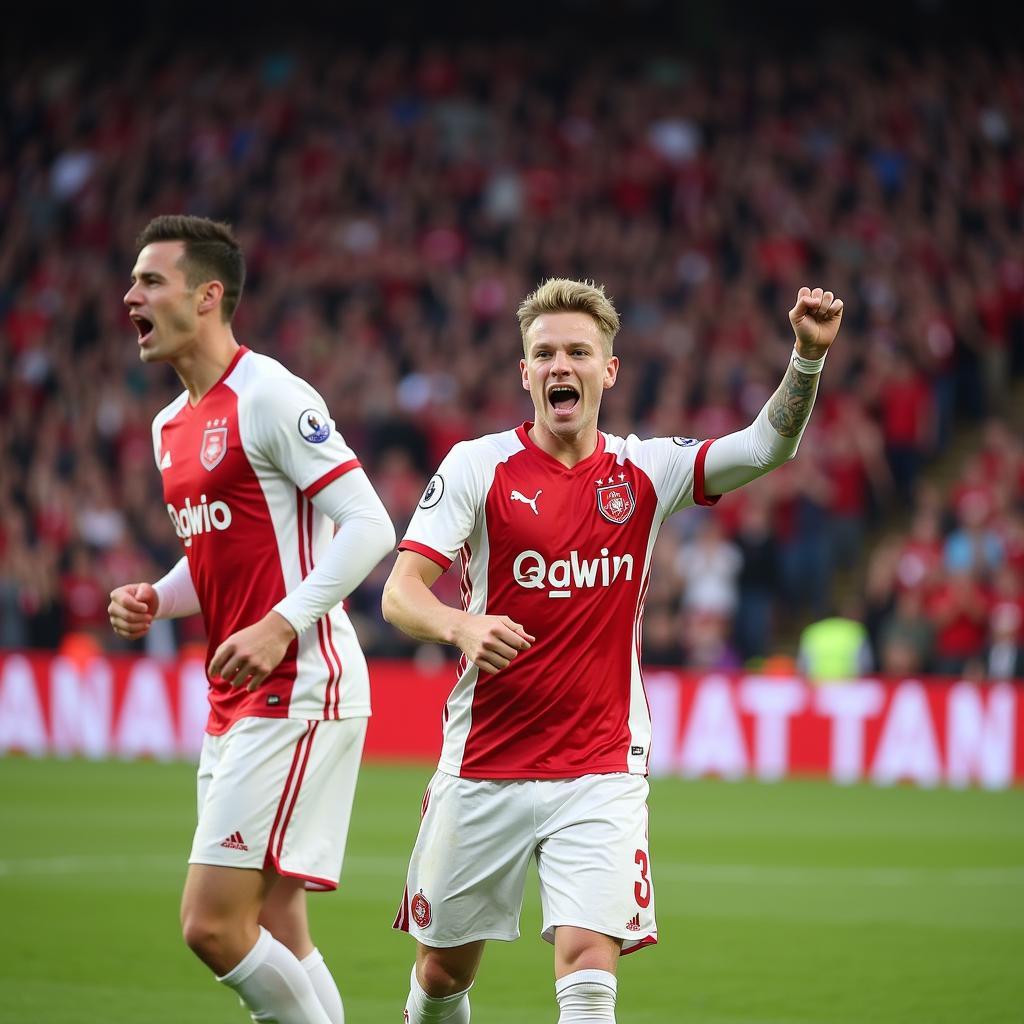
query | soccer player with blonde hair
(547,731)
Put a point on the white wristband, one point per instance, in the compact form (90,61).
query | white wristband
(810,366)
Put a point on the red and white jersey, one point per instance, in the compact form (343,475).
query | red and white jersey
(239,471)
(567,553)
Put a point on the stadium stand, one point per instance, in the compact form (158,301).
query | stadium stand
(394,206)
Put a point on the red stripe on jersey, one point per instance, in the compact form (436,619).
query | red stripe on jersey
(422,549)
(337,658)
(466,590)
(304,521)
(330,652)
(699,497)
(466,583)
(303,565)
(307,742)
(328,478)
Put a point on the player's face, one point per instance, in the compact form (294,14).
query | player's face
(566,372)
(160,303)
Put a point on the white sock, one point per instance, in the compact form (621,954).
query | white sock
(324,986)
(423,1009)
(586,997)
(274,985)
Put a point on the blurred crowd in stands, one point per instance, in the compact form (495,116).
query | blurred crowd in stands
(395,206)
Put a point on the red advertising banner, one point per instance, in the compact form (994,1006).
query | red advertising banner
(925,731)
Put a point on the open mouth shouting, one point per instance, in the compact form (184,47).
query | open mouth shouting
(143,326)
(564,399)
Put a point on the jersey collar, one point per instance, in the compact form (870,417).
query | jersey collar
(523,433)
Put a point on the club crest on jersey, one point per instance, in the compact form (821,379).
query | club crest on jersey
(420,909)
(615,502)
(215,444)
(314,427)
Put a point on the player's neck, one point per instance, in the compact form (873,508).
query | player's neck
(568,450)
(204,363)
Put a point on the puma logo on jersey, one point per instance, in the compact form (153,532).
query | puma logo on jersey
(532,571)
(532,502)
(201,518)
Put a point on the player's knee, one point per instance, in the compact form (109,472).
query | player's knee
(580,950)
(204,935)
(440,975)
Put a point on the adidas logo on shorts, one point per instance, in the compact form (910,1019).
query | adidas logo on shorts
(235,842)
(633,925)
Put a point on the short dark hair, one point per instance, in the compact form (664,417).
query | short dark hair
(212,253)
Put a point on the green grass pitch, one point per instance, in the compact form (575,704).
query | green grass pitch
(777,904)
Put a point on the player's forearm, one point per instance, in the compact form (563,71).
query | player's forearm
(738,458)
(364,536)
(355,551)
(176,593)
(790,407)
(409,605)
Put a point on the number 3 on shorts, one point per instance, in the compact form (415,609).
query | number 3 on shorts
(642,889)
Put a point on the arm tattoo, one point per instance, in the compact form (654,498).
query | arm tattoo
(790,406)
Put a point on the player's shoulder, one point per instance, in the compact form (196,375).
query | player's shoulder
(263,376)
(636,449)
(487,449)
(169,411)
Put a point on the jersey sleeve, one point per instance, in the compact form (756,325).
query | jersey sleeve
(447,513)
(292,429)
(675,465)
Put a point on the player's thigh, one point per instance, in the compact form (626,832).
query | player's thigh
(214,894)
(468,866)
(594,859)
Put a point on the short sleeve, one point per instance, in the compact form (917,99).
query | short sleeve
(290,427)
(448,510)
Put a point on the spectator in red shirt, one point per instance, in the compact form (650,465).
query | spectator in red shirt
(960,611)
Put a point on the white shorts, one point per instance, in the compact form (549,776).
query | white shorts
(277,793)
(589,836)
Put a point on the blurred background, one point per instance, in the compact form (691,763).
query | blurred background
(399,182)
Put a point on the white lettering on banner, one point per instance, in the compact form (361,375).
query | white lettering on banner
(193,706)
(663,698)
(531,570)
(81,707)
(22,726)
(772,701)
(713,742)
(146,726)
(907,748)
(980,745)
(848,706)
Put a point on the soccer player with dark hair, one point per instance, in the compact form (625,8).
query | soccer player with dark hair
(278,523)
(547,732)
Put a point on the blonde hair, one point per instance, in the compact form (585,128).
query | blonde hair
(561,295)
